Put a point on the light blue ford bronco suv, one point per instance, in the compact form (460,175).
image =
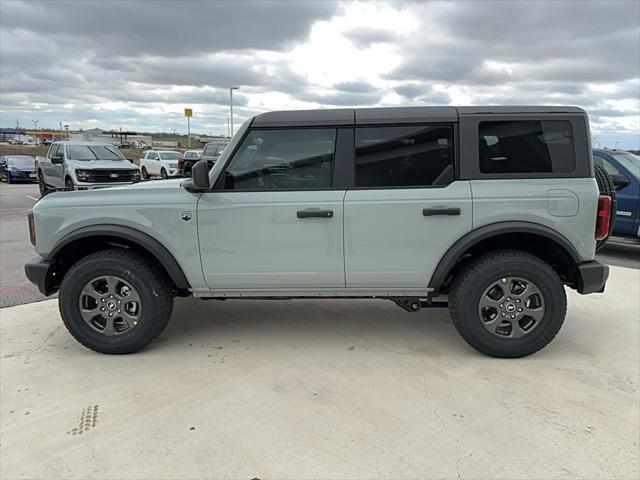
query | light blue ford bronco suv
(489,210)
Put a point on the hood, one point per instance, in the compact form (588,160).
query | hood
(22,166)
(155,184)
(101,164)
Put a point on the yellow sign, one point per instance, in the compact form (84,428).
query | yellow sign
(188,112)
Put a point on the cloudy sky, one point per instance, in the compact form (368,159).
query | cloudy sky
(137,65)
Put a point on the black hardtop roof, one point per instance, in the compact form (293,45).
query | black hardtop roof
(385,115)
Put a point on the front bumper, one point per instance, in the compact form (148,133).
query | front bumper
(592,277)
(23,176)
(42,274)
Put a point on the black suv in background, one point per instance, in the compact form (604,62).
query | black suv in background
(212,152)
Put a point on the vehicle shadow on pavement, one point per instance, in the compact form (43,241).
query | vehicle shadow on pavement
(312,324)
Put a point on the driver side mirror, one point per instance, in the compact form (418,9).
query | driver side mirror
(57,159)
(620,181)
(200,175)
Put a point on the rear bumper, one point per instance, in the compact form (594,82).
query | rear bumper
(41,273)
(592,277)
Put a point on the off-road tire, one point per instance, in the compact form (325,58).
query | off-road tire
(470,283)
(42,186)
(606,187)
(144,173)
(163,174)
(150,282)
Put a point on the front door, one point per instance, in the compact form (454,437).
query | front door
(274,221)
(406,208)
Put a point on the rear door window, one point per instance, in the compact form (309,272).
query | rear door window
(526,146)
(404,156)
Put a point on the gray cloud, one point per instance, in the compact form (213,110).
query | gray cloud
(363,37)
(136,63)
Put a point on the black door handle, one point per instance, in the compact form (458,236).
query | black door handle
(429,212)
(315,213)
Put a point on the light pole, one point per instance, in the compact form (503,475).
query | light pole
(231,108)
(35,129)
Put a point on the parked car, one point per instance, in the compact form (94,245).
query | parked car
(212,152)
(624,169)
(163,163)
(17,168)
(15,141)
(29,143)
(188,160)
(491,211)
(79,165)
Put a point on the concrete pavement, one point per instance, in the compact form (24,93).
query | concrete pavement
(323,389)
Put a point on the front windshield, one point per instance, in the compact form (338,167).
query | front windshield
(229,147)
(21,161)
(93,152)
(169,155)
(629,161)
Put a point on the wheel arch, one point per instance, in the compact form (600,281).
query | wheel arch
(89,239)
(533,238)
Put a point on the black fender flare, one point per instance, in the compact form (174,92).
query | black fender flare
(450,258)
(159,251)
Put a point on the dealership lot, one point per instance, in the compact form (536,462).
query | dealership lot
(323,389)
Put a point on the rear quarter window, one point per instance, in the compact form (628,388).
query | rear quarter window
(526,146)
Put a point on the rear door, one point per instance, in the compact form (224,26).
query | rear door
(275,222)
(406,208)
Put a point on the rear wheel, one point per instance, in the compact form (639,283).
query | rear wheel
(606,187)
(507,304)
(113,301)
(145,174)
(163,174)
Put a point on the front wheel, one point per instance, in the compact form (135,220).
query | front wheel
(114,301)
(9,178)
(68,184)
(163,174)
(507,304)
(145,174)
(42,186)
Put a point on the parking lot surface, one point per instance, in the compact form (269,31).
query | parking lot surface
(15,248)
(323,389)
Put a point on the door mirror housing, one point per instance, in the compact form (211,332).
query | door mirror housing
(57,159)
(620,181)
(200,175)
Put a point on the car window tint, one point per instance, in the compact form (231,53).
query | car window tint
(526,146)
(295,159)
(404,156)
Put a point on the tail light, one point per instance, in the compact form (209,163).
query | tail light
(32,228)
(603,218)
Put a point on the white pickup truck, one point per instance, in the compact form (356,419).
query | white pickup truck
(73,165)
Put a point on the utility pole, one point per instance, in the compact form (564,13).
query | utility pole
(228,129)
(35,128)
(231,109)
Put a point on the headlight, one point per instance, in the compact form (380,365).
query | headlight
(83,175)
(173,165)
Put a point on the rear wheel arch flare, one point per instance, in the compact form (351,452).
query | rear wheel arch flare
(540,240)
